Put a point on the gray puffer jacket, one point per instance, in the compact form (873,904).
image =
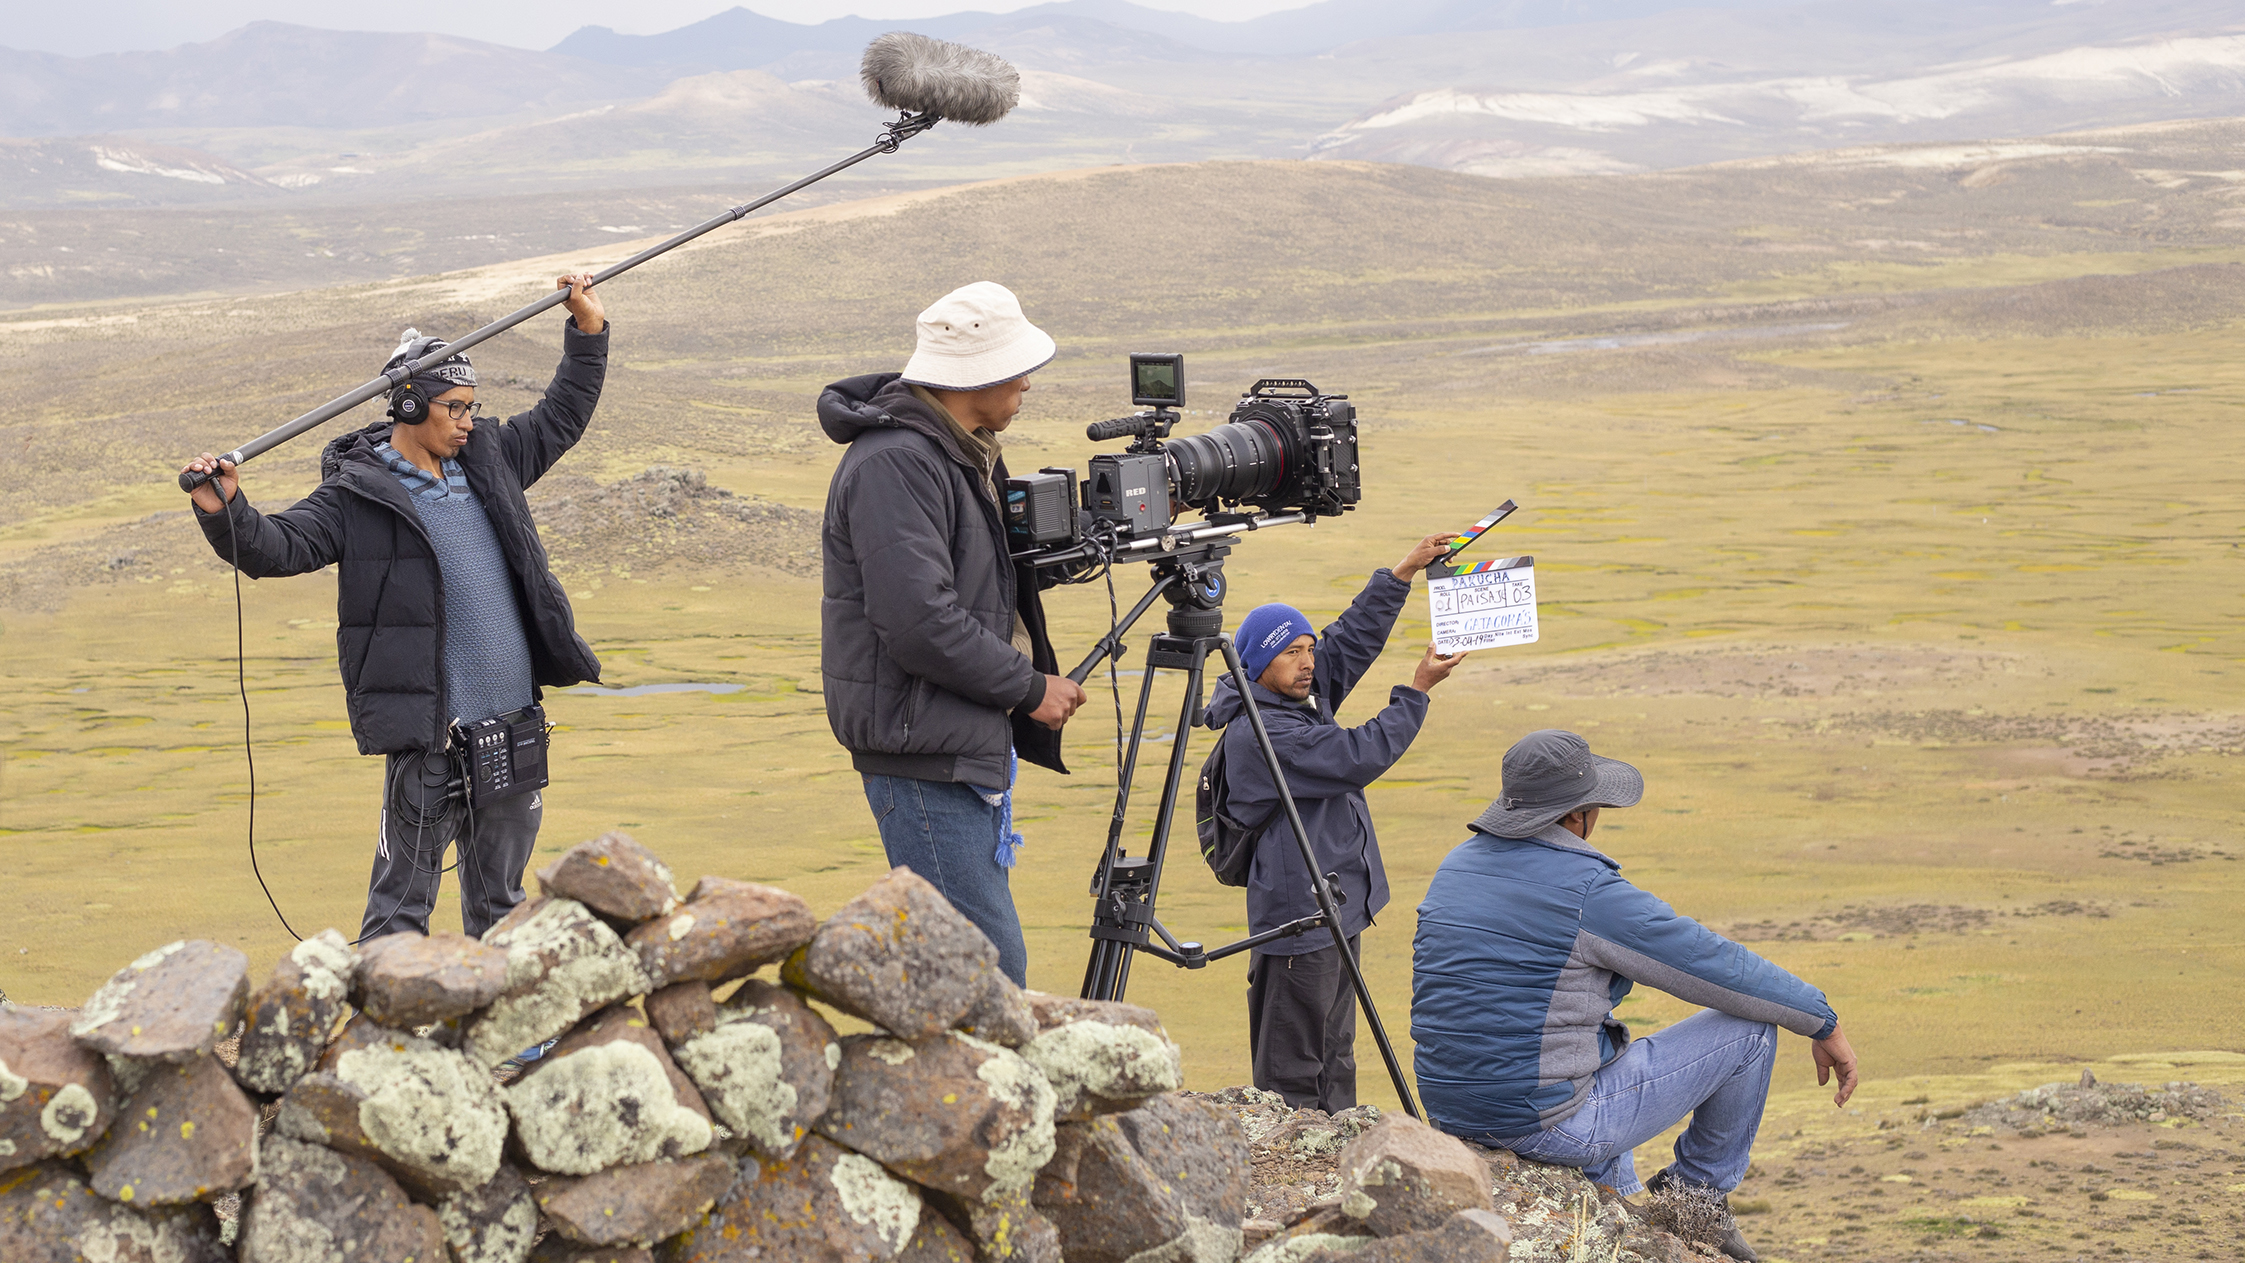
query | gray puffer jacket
(916,651)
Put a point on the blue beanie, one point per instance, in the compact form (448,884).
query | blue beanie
(1265,633)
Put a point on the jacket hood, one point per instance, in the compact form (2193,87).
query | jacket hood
(358,443)
(880,401)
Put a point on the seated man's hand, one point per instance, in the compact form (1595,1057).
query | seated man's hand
(1433,669)
(1426,550)
(1832,1053)
(1062,697)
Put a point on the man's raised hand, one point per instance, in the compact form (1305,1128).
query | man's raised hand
(1433,669)
(204,496)
(582,302)
(1833,1053)
(1426,550)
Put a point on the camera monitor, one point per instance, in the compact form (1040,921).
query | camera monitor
(1157,381)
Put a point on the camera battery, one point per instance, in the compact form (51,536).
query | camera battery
(1130,491)
(1041,508)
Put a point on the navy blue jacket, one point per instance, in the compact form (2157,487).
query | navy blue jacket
(1327,767)
(1524,947)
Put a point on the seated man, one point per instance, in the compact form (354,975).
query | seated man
(1301,1009)
(1529,937)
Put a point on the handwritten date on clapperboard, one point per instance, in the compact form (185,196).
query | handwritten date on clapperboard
(1484,606)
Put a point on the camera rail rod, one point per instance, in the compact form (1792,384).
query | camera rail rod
(905,127)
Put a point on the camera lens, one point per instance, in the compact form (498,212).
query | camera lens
(1239,460)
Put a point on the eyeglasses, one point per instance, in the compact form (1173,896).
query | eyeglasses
(458,408)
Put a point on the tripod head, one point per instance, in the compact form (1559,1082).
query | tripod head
(1196,592)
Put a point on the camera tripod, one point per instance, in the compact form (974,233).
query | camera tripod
(1126,886)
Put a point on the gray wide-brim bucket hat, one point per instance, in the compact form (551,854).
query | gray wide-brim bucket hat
(1550,773)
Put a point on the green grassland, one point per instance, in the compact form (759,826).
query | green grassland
(1913,586)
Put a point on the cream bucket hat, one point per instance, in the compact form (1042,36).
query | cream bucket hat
(976,336)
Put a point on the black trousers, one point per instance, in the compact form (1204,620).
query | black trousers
(422,818)
(1301,1028)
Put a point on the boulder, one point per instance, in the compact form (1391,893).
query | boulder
(1403,1176)
(314,1205)
(606,1095)
(49,1215)
(293,1014)
(1049,1011)
(1171,1177)
(899,956)
(952,1113)
(54,1095)
(1003,1227)
(767,1067)
(560,1249)
(427,1114)
(174,1004)
(562,963)
(936,1241)
(1100,1067)
(184,1133)
(614,876)
(820,1204)
(496,1223)
(408,980)
(638,1204)
(681,1011)
(1003,1015)
(729,929)
(1470,1236)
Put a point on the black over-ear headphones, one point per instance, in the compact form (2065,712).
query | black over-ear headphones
(409,404)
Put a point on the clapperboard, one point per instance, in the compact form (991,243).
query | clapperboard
(1482,605)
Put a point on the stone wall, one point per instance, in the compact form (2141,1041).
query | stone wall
(378,1105)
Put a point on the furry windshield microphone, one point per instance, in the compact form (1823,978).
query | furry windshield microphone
(920,75)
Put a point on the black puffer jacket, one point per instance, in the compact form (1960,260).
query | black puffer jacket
(389,600)
(917,654)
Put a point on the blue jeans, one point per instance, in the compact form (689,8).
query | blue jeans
(947,834)
(1711,1065)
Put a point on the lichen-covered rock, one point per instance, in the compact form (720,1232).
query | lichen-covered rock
(496,1223)
(409,980)
(54,1095)
(1202,1152)
(1404,1176)
(560,1249)
(614,876)
(899,956)
(425,1113)
(1107,1203)
(604,1097)
(729,929)
(173,1004)
(681,1011)
(1471,1236)
(767,1067)
(314,1205)
(292,1015)
(638,1204)
(49,1215)
(185,1133)
(1003,1015)
(1004,1228)
(820,1204)
(1098,1067)
(562,963)
(936,1241)
(1049,1011)
(951,1113)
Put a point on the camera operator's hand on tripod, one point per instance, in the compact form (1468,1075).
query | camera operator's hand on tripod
(1423,552)
(1434,668)
(206,495)
(1062,697)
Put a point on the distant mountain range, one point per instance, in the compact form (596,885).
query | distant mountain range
(1503,87)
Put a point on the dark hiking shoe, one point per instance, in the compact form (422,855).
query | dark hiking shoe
(1695,1213)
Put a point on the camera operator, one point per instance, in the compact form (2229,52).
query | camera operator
(937,669)
(447,609)
(1301,1010)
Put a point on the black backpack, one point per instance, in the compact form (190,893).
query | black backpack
(1226,843)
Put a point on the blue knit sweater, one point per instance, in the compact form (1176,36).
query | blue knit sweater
(486,655)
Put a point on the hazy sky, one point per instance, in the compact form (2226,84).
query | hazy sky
(108,26)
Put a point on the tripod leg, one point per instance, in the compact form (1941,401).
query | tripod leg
(1157,848)
(1110,960)
(1317,882)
